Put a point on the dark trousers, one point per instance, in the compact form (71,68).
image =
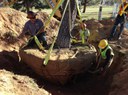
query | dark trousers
(42,39)
(119,20)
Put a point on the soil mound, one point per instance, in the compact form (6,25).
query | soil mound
(9,82)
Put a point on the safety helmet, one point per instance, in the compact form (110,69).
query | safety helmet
(103,43)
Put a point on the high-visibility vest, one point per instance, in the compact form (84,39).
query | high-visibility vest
(122,9)
(83,34)
(103,53)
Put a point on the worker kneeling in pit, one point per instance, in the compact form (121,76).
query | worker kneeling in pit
(104,57)
(84,34)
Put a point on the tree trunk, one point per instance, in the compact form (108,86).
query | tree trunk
(100,10)
(63,39)
(85,4)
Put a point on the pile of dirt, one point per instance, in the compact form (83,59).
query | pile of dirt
(102,29)
(9,82)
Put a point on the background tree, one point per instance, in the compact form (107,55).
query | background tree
(26,5)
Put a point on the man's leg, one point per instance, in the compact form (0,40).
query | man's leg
(31,43)
(113,32)
(121,29)
(42,38)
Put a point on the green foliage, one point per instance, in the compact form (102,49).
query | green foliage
(25,5)
(95,2)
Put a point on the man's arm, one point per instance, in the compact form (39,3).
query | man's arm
(24,31)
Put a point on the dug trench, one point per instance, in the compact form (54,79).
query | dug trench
(87,84)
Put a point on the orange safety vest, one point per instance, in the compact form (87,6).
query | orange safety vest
(122,9)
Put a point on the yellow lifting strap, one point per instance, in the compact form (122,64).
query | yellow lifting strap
(38,43)
(52,4)
(79,13)
(59,3)
(47,57)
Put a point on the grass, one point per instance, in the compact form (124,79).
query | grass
(92,12)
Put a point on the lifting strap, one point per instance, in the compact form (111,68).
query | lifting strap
(79,13)
(47,57)
(82,34)
(38,43)
(52,4)
(59,3)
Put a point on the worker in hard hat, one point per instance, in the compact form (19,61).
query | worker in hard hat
(120,19)
(84,33)
(105,56)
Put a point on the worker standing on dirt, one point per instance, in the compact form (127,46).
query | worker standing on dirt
(104,57)
(34,27)
(120,19)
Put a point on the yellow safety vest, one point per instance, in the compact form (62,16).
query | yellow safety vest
(84,33)
(103,53)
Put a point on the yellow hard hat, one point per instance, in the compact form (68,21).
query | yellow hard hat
(103,43)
